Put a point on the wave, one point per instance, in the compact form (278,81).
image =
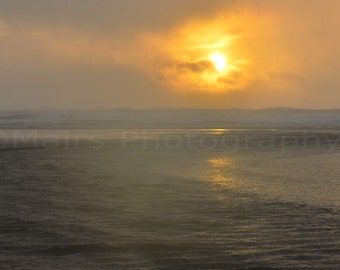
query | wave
(65,250)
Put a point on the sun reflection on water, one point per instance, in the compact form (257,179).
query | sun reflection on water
(220,162)
(219,173)
(218,131)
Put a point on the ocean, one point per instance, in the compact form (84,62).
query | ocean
(169,199)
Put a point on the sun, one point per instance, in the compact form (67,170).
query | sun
(219,60)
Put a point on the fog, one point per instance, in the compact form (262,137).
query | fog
(114,54)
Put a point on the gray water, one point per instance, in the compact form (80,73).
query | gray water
(169,199)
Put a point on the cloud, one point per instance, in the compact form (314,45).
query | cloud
(176,59)
(283,53)
(3,28)
(233,79)
(107,16)
(197,66)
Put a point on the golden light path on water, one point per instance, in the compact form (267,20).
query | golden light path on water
(219,173)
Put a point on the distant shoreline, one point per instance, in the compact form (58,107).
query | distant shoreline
(279,118)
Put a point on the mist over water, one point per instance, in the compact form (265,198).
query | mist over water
(169,199)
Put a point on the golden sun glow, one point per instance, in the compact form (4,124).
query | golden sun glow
(200,56)
(219,60)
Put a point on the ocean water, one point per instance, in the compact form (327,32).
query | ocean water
(169,199)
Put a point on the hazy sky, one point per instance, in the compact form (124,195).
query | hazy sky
(82,54)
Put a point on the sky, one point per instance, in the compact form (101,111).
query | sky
(148,54)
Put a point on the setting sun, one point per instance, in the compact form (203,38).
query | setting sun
(219,61)
(199,56)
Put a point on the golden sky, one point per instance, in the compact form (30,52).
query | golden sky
(169,54)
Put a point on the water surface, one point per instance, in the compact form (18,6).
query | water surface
(169,199)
